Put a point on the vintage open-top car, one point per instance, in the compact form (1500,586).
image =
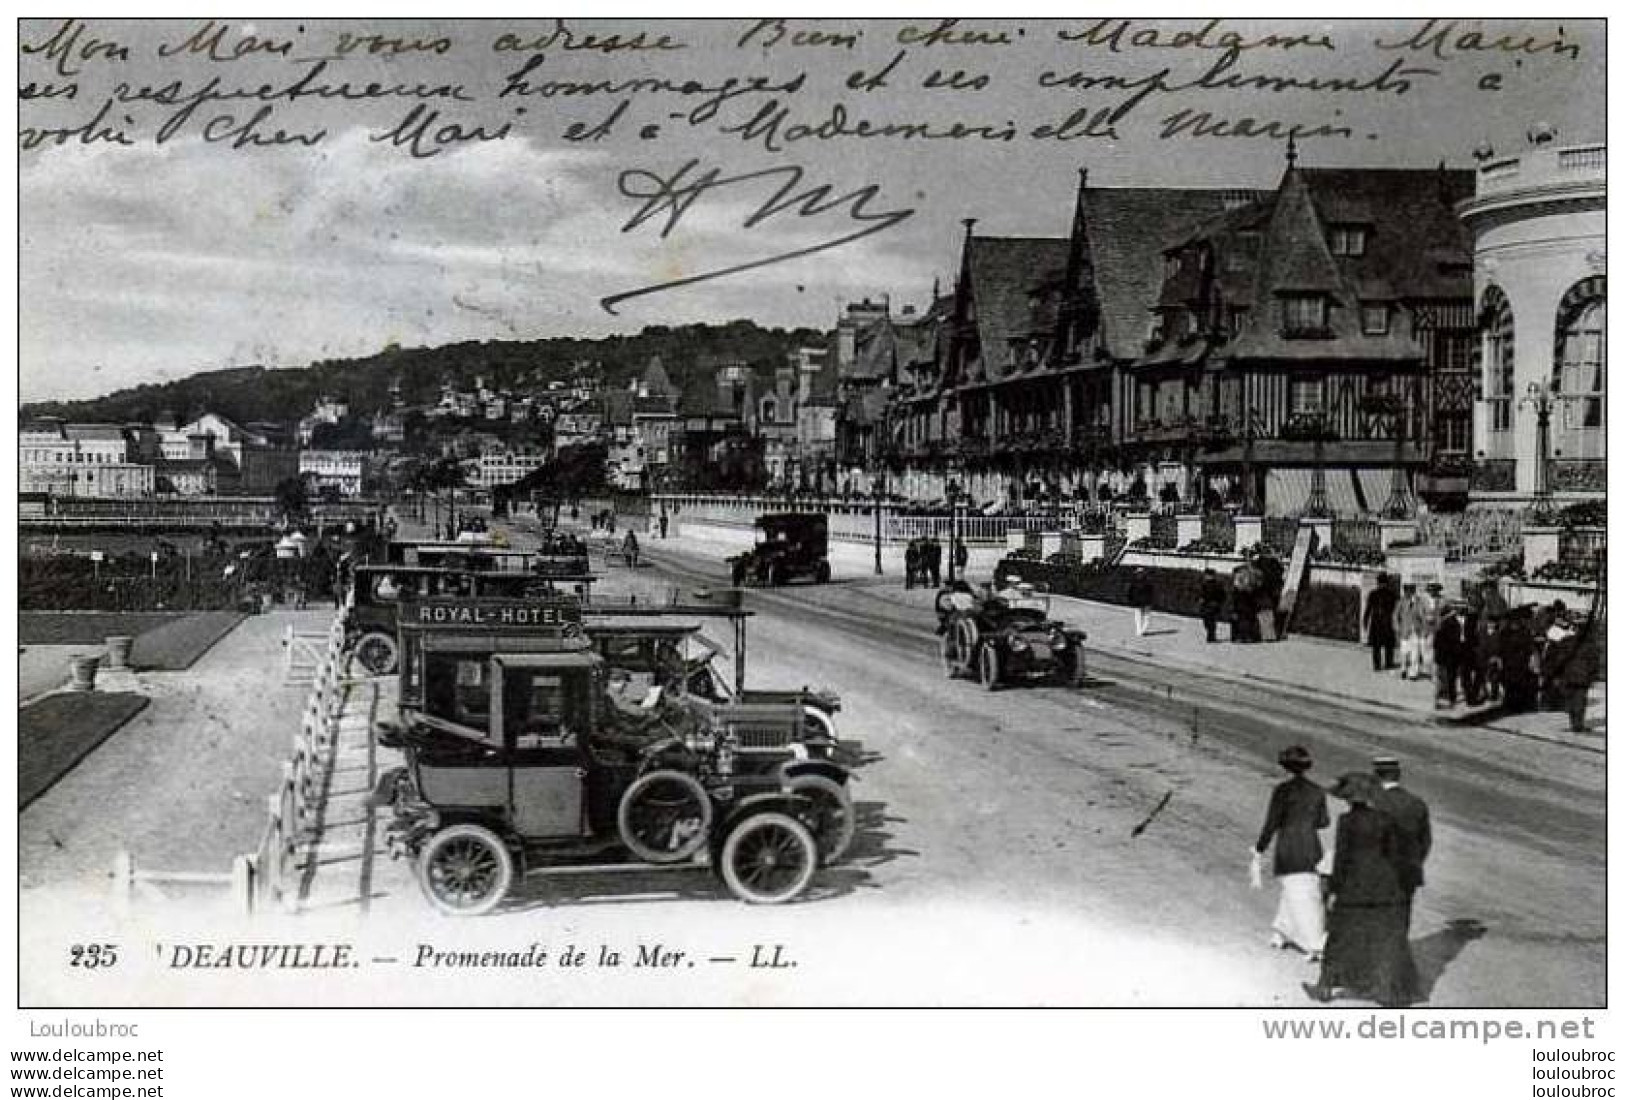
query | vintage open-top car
(788,545)
(527,753)
(1006,637)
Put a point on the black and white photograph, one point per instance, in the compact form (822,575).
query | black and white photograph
(813,512)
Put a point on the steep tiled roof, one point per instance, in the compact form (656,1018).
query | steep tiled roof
(1415,249)
(876,347)
(1418,247)
(1004,272)
(1128,229)
(656,381)
(1296,257)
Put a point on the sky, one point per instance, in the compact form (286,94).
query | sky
(150,261)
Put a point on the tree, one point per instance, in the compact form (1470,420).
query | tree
(292,498)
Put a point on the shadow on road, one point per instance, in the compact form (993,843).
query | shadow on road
(872,846)
(1434,953)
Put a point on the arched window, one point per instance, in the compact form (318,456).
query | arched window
(1579,373)
(1495,321)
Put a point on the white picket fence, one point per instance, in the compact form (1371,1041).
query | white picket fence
(291,812)
(270,876)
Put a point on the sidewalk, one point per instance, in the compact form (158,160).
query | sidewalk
(1315,668)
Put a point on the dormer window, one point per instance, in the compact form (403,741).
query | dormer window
(1349,240)
(1303,315)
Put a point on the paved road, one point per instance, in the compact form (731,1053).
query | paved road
(1030,846)
(1037,793)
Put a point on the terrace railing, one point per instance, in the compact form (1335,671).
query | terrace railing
(1490,532)
(1356,535)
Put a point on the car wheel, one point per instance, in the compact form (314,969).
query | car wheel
(664,816)
(465,870)
(990,667)
(377,653)
(768,859)
(968,635)
(950,656)
(828,813)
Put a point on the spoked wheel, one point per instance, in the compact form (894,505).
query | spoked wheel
(990,667)
(664,817)
(950,655)
(376,652)
(828,813)
(768,858)
(967,634)
(465,870)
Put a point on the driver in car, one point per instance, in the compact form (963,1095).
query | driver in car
(640,713)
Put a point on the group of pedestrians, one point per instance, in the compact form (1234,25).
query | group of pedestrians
(922,562)
(1479,650)
(1252,596)
(1348,909)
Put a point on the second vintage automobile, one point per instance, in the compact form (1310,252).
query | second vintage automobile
(788,545)
(1005,638)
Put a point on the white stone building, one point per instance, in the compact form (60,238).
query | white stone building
(1538,221)
(83,460)
(338,469)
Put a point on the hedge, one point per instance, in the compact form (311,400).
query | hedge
(1322,610)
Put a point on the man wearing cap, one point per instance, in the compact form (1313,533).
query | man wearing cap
(1410,813)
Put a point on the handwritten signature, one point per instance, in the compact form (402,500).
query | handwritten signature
(672,196)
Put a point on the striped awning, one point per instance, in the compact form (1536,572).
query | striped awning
(1286,492)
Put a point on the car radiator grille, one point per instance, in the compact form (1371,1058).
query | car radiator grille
(762,738)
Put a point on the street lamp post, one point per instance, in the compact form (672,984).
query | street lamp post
(1541,400)
(953,531)
(879,491)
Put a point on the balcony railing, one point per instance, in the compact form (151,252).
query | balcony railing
(1543,166)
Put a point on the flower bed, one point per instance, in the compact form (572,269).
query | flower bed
(1350,555)
(1582,572)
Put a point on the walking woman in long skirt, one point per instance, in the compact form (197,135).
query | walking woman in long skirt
(1296,814)
(1368,951)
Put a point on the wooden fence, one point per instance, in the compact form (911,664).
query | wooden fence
(291,812)
(270,875)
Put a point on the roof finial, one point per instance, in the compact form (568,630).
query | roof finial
(1292,150)
(970,225)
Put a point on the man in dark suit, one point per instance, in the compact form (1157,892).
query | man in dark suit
(1410,813)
